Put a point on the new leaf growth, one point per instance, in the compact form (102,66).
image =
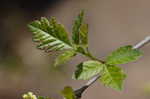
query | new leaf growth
(50,36)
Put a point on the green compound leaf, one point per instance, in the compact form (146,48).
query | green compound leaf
(84,35)
(112,76)
(66,56)
(123,55)
(68,93)
(88,69)
(50,35)
(76,28)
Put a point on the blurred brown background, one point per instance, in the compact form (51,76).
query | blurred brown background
(113,23)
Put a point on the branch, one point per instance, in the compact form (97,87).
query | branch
(79,91)
(142,43)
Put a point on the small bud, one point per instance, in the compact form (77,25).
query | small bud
(29,95)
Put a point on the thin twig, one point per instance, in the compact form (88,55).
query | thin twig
(142,43)
(79,91)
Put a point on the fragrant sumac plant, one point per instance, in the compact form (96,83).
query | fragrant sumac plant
(52,36)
